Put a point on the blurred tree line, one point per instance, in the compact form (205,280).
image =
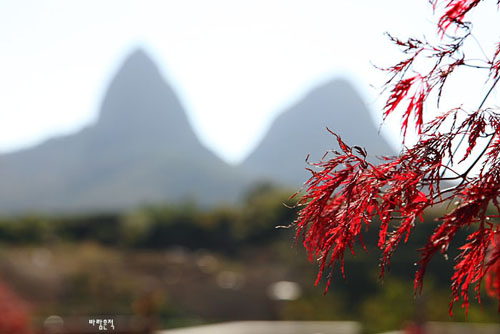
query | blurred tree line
(223,229)
(246,242)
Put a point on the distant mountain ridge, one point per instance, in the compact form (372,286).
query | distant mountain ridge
(302,130)
(143,150)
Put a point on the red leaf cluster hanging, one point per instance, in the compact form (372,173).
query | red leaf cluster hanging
(346,192)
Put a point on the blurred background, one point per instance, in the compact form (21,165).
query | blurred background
(149,150)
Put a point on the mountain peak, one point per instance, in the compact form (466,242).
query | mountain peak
(336,98)
(139,100)
(301,131)
(336,85)
(139,58)
(138,53)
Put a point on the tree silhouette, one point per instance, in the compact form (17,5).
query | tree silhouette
(346,192)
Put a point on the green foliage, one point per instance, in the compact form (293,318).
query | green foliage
(225,229)
(30,229)
(265,210)
(389,308)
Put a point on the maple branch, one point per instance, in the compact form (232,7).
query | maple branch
(468,127)
(348,191)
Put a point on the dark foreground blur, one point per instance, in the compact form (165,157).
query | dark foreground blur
(170,267)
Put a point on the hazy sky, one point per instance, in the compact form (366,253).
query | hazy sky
(235,64)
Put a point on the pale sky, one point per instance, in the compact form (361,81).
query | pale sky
(234,64)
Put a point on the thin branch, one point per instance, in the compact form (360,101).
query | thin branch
(468,127)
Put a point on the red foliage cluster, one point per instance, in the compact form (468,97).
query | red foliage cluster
(14,317)
(495,63)
(346,192)
(417,88)
(455,12)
